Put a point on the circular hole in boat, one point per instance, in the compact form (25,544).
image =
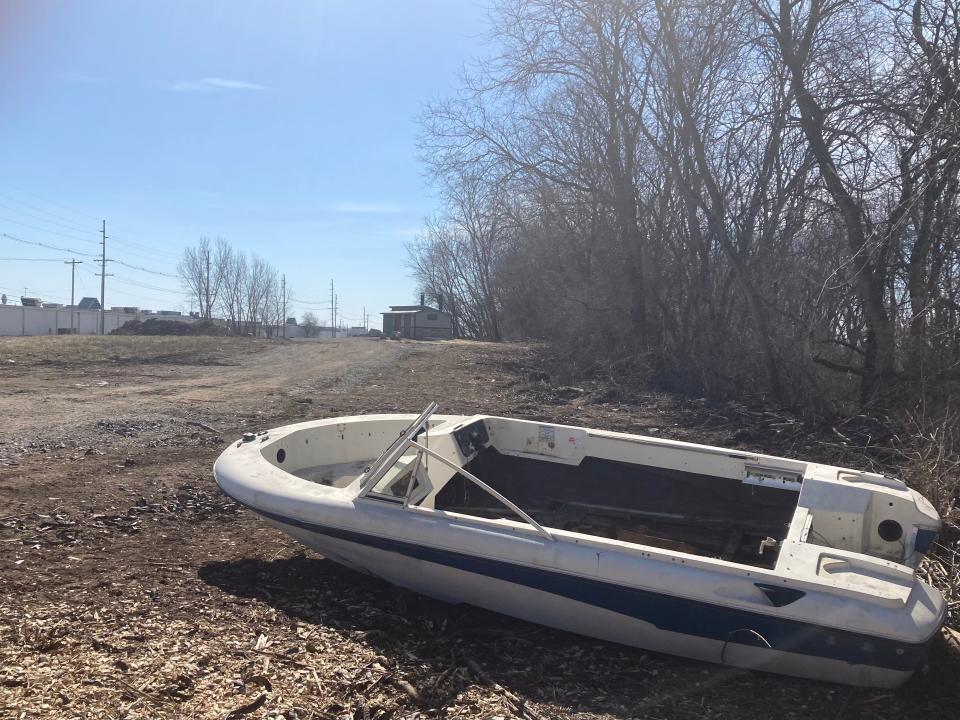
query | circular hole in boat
(890,530)
(281,455)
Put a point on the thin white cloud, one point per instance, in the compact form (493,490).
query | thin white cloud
(367,208)
(215,83)
(82,78)
(228,84)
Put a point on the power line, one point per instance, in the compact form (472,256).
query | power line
(102,260)
(133,283)
(30,259)
(84,254)
(141,247)
(128,293)
(75,225)
(149,255)
(43,219)
(50,202)
(70,225)
(143,269)
(312,306)
(42,291)
(71,251)
(49,232)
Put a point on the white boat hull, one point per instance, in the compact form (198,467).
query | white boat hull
(669,602)
(455,586)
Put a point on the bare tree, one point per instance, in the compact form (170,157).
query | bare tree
(202,271)
(458,256)
(232,303)
(310,324)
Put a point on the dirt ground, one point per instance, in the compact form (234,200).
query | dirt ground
(130,588)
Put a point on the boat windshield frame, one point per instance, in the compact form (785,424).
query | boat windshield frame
(394,451)
(424,450)
(408,439)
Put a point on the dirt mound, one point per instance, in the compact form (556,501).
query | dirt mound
(155,326)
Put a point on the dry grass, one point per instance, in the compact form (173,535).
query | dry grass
(931,452)
(94,349)
(929,448)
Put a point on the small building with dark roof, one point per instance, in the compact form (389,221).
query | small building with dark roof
(418,322)
(88,303)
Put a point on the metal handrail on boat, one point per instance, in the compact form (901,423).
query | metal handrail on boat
(395,450)
(398,447)
(474,479)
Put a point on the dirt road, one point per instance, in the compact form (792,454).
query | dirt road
(215,380)
(130,588)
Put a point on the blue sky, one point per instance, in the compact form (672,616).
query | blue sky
(288,127)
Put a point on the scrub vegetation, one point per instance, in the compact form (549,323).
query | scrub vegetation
(735,197)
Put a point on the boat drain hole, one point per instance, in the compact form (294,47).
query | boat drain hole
(890,530)
(281,455)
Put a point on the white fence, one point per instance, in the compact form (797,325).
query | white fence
(20,320)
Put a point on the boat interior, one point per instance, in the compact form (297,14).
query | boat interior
(645,491)
(655,506)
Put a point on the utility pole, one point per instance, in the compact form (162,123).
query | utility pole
(284,318)
(73,271)
(333,310)
(365,328)
(103,277)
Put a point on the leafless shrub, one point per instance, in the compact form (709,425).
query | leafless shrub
(930,449)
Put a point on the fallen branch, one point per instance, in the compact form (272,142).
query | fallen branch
(248,708)
(136,692)
(203,426)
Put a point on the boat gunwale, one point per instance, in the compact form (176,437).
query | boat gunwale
(355,491)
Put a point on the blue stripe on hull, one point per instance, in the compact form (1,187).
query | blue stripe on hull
(666,612)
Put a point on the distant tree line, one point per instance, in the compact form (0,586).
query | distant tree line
(243,290)
(736,195)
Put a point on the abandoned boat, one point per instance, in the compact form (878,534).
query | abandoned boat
(726,556)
